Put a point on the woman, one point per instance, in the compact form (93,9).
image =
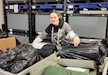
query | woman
(59,31)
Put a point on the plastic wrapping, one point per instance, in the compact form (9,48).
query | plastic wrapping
(17,59)
(87,51)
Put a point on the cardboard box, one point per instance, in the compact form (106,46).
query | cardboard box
(9,42)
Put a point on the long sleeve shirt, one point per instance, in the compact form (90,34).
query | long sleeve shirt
(62,31)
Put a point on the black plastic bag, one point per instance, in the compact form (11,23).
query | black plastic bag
(47,50)
(17,59)
(87,51)
(3,34)
(25,57)
(6,58)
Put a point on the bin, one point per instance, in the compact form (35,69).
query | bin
(39,68)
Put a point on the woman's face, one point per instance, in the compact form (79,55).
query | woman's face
(54,18)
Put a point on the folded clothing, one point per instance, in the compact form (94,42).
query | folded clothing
(59,70)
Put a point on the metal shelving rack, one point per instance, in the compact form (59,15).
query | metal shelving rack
(23,7)
(33,8)
(31,23)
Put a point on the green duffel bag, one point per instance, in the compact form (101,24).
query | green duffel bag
(58,70)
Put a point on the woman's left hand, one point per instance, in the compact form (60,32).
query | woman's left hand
(76,41)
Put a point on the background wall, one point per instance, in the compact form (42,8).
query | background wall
(1,13)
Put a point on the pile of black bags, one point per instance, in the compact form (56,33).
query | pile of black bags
(17,59)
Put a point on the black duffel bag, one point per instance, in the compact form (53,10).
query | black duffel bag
(47,50)
(92,50)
